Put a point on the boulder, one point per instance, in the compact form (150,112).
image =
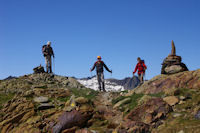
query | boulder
(71,119)
(173,69)
(153,111)
(171,100)
(81,100)
(121,102)
(144,99)
(197,115)
(44,106)
(83,131)
(137,127)
(41,99)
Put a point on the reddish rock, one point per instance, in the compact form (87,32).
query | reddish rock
(137,127)
(70,119)
(171,100)
(153,111)
(71,130)
(83,131)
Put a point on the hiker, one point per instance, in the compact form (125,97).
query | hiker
(99,69)
(48,52)
(140,67)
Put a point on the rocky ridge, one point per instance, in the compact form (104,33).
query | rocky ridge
(40,103)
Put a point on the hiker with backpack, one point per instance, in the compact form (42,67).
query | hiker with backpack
(141,68)
(48,52)
(99,65)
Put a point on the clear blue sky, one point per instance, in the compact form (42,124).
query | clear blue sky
(118,30)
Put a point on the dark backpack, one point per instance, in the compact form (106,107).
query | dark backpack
(44,49)
(143,62)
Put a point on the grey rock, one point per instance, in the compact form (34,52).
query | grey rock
(121,102)
(44,106)
(182,97)
(197,116)
(173,69)
(176,115)
(41,99)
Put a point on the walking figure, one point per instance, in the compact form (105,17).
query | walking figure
(48,52)
(99,65)
(141,68)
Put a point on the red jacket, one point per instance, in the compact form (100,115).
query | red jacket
(141,67)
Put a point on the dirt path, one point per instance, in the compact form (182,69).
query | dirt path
(103,103)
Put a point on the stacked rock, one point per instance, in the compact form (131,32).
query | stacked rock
(173,63)
(39,69)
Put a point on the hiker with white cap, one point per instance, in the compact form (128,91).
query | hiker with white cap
(48,52)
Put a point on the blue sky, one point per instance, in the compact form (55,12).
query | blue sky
(118,30)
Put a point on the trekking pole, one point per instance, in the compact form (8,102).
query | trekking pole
(91,74)
(54,65)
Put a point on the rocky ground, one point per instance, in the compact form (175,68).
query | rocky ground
(41,103)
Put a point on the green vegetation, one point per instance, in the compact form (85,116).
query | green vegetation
(161,94)
(128,105)
(114,101)
(186,121)
(64,99)
(5,97)
(180,123)
(41,87)
(85,92)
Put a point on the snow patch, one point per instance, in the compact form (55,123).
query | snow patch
(93,84)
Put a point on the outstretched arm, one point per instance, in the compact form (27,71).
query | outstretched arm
(107,68)
(135,69)
(93,67)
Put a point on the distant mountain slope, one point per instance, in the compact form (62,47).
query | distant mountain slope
(111,84)
(128,83)
(9,78)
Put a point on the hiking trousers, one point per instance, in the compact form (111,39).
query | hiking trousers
(100,79)
(141,77)
(48,64)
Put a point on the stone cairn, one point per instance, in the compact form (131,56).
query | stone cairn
(39,69)
(173,63)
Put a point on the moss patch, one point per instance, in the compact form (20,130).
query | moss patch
(130,104)
(161,94)
(85,92)
(5,97)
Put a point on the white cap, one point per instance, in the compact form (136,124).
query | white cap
(48,43)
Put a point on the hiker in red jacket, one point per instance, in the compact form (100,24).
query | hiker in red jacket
(140,67)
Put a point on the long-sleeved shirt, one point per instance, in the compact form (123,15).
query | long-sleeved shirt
(99,67)
(140,67)
(48,51)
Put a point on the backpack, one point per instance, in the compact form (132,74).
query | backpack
(44,49)
(142,62)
